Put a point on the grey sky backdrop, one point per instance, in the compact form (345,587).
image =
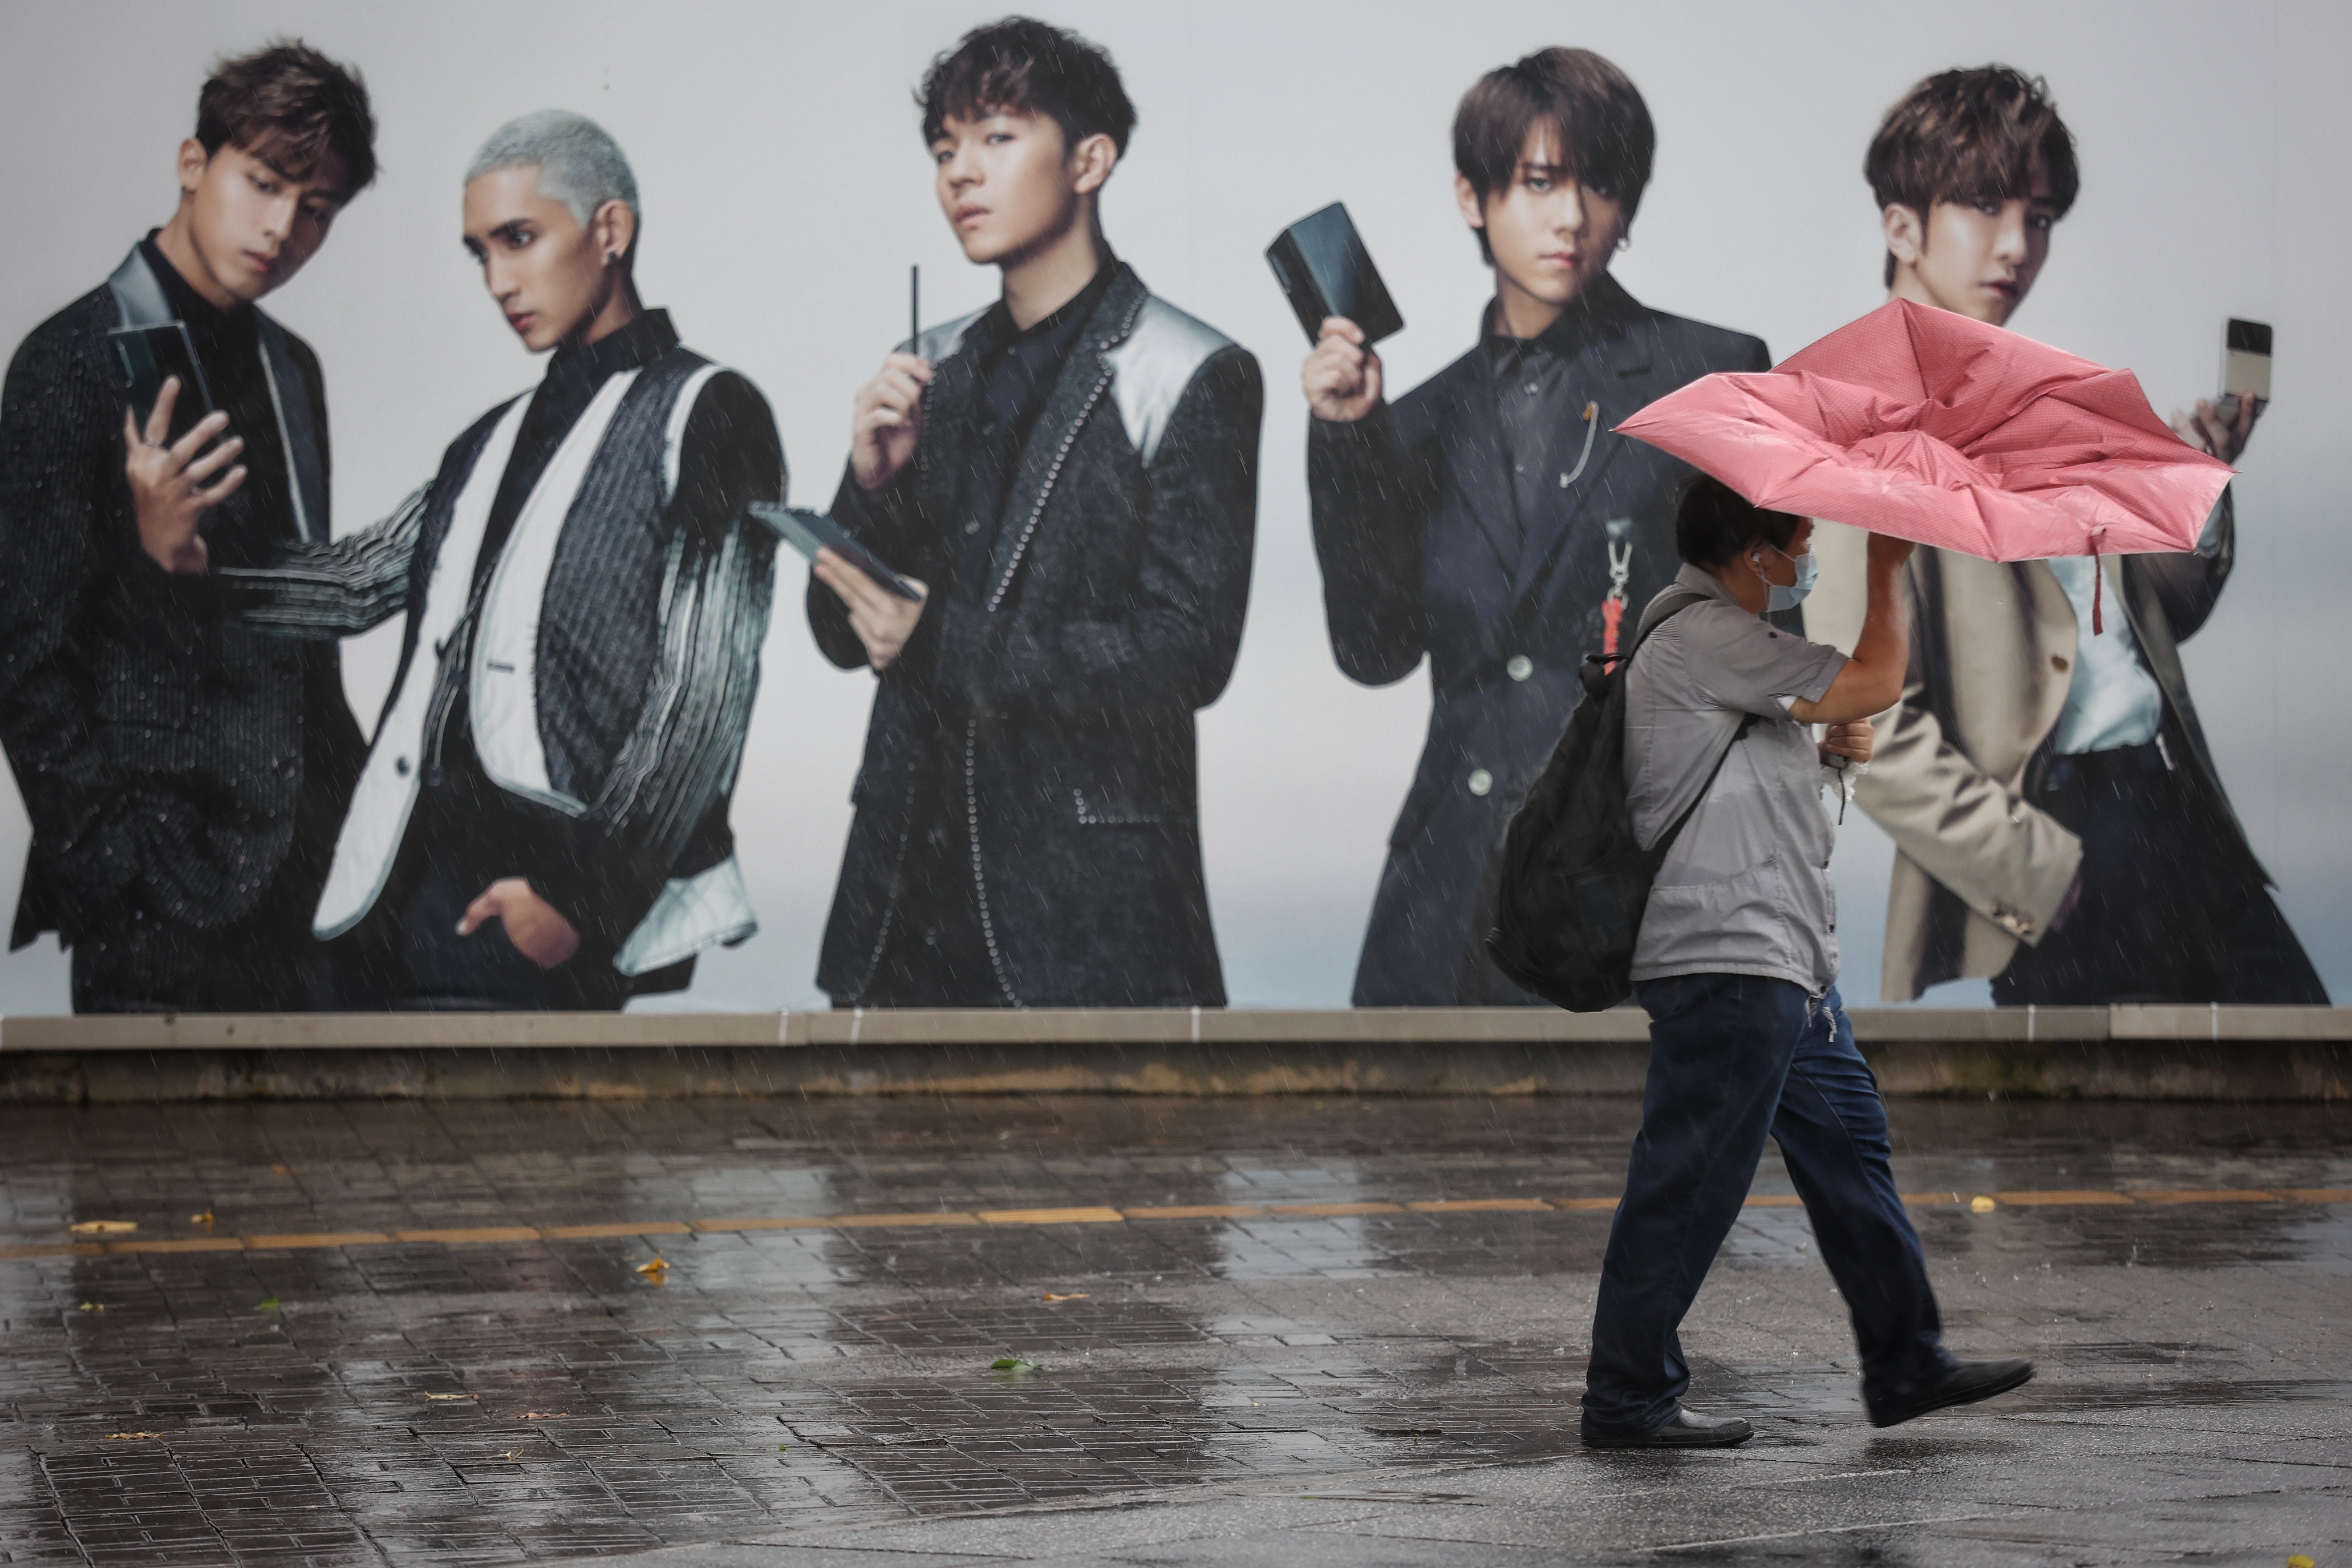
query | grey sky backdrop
(785,192)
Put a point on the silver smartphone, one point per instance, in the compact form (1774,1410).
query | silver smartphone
(2245,366)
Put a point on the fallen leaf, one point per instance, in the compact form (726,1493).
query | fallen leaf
(1014,1364)
(129,1437)
(104,1227)
(1073,1296)
(510,1454)
(283,1170)
(657,1266)
(268,1306)
(545,1414)
(92,1307)
(452,1396)
(1981,1204)
(203,1218)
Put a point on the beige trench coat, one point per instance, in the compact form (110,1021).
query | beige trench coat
(1978,869)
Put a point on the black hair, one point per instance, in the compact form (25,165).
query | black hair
(1603,128)
(1970,136)
(292,107)
(1715,523)
(1022,66)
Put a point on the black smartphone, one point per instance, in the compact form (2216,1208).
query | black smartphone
(2245,366)
(1321,263)
(808,531)
(147,356)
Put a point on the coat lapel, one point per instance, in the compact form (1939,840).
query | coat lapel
(1622,367)
(1480,464)
(1077,394)
(945,447)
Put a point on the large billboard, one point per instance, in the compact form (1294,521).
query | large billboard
(1204,769)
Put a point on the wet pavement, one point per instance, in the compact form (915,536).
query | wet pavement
(1294,1331)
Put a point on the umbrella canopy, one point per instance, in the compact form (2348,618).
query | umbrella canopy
(1930,426)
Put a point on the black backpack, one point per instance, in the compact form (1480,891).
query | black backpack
(1572,882)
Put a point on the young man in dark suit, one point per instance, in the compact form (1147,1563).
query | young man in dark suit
(1072,475)
(1489,520)
(184,776)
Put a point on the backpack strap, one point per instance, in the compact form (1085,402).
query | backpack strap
(1666,840)
(1746,722)
(1597,667)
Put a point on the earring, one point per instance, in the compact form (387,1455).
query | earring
(1625,240)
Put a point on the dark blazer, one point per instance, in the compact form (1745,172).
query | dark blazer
(1420,546)
(159,748)
(1112,611)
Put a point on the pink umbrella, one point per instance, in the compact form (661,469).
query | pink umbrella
(1933,428)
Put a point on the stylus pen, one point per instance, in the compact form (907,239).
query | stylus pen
(915,309)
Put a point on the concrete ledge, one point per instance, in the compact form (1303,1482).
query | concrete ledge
(2167,1053)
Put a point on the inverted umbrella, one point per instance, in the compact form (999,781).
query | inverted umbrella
(1934,427)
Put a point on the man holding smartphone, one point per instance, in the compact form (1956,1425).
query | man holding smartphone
(1488,519)
(184,774)
(1071,475)
(2059,822)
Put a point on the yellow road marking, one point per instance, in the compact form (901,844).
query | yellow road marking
(483,1234)
(595,1232)
(2221,1195)
(2047,1200)
(199,1244)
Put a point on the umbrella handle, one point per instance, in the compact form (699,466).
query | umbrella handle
(2098,586)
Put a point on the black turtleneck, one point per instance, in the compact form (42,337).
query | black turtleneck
(229,348)
(1016,368)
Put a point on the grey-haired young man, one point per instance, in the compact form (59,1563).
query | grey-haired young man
(542,821)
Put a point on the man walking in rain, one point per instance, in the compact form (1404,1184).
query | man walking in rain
(543,819)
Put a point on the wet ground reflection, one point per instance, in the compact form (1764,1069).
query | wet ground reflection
(1275,1308)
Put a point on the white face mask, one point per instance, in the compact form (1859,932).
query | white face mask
(1789,595)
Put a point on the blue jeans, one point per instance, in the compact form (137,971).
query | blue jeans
(1733,1056)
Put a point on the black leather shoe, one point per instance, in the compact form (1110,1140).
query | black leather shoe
(1964,1385)
(1681,1430)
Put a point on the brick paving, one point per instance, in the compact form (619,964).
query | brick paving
(1298,1331)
